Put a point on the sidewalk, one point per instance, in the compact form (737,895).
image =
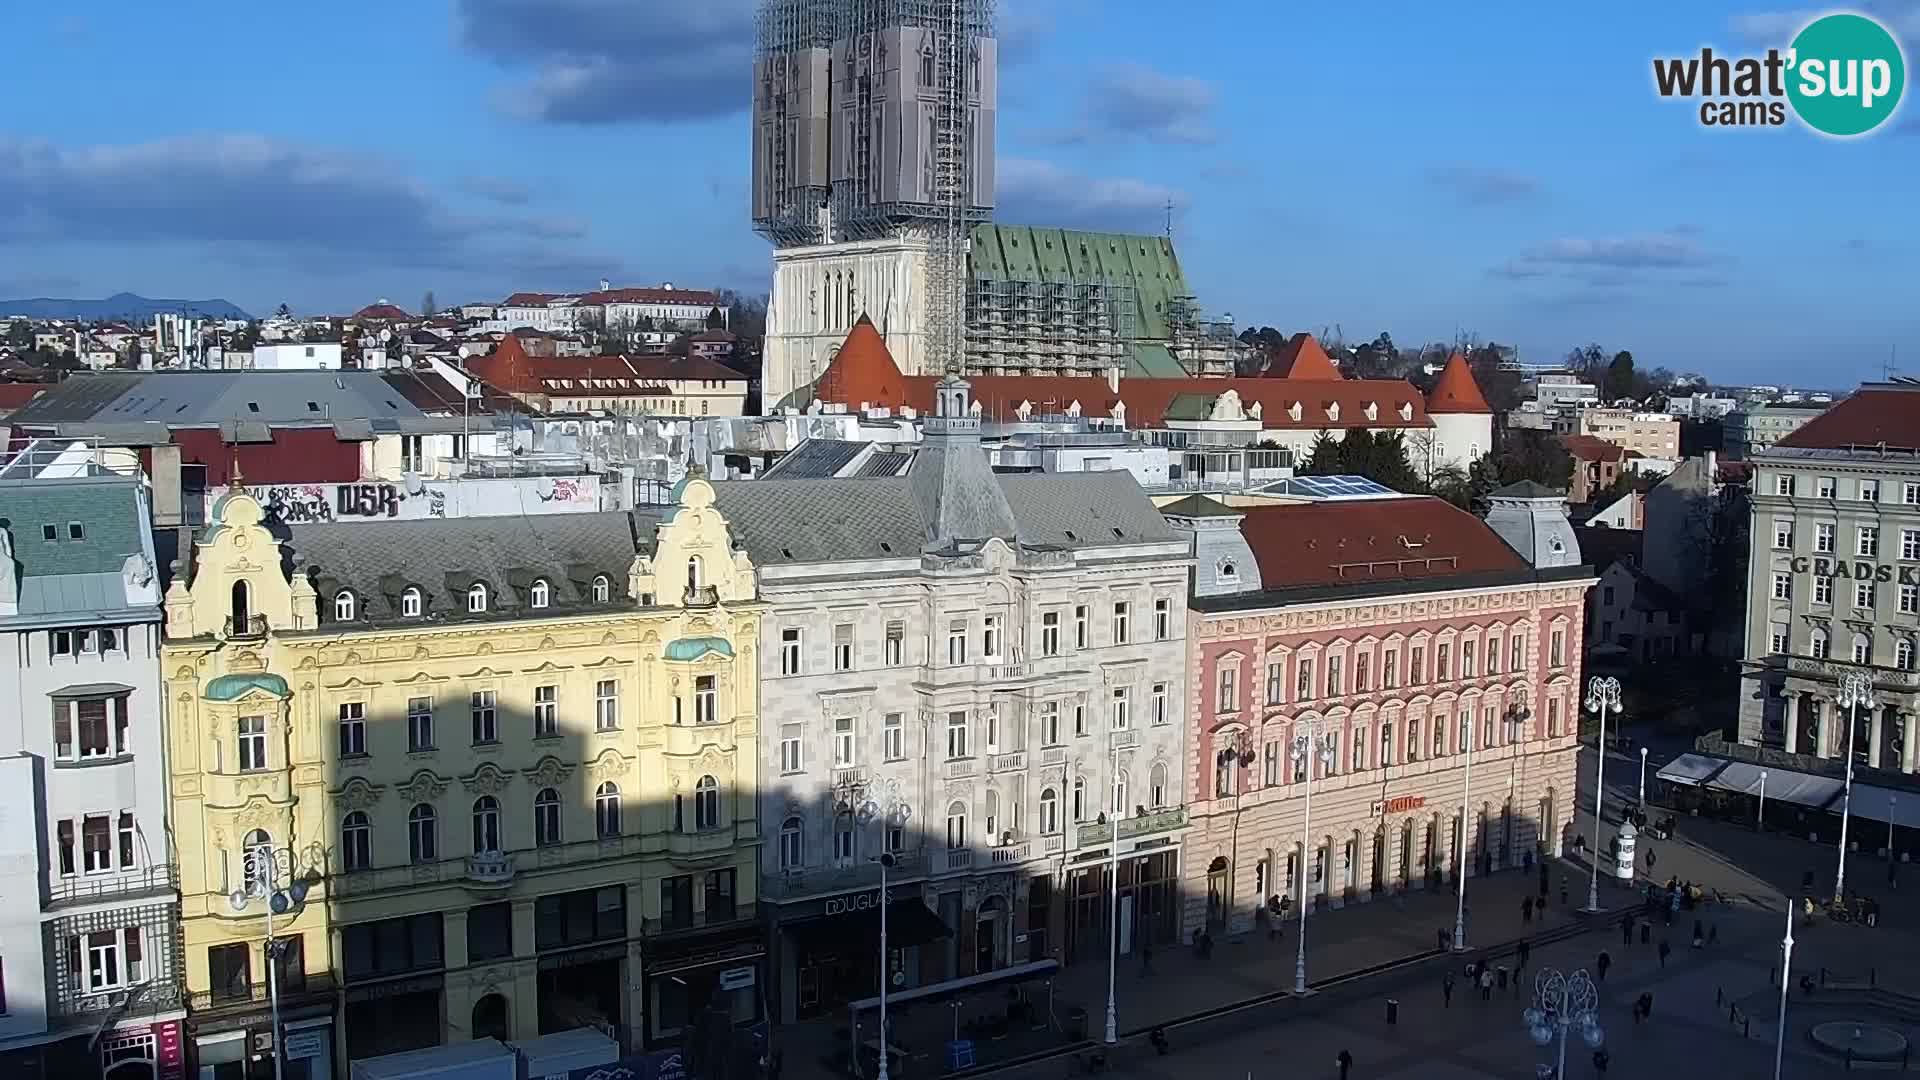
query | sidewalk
(1358,936)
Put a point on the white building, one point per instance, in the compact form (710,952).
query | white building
(89,919)
(951,661)
(1564,391)
(297,356)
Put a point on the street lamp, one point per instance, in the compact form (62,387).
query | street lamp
(1460,847)
(1643,779)
(1856,689)
(1560,1003)
(893,813)
(1760,814)
(1309,742)
(1603,693)
(261,868)
(1113,885)
(1786,977)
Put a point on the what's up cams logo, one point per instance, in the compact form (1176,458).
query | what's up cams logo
(1842,75)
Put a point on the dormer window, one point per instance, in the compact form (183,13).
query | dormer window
(1294,412)
(1333,411)
(411,603)
(1373,410)
(602,589)
(477,598)
(1228,572)
(540,595)
(344,606)
(1406,410)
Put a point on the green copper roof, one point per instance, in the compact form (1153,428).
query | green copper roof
(234,687)
(693,648)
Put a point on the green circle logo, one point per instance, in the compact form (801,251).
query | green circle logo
(1846,75)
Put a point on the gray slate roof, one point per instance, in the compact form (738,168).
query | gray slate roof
(65,575)
(377,561)
(816,459)
(181,398)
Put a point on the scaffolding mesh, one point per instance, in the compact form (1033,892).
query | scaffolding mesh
(1020,327)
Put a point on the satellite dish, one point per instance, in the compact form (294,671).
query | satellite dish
(238,898)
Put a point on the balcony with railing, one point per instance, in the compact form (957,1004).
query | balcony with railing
(702,596)
(1096,833)
(490,868)
(252,627)
(125,885)
(815,880)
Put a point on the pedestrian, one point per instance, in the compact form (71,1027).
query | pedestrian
(1636,1012)
(1652,859)
(1646,932)
(1713,934)
(1526,861)
(1646,1004)
(1501,976)
(1563,890)
(1526,909)
(1601,1059)
(1602,964)
(1699,934)
(1664,950)
(1345,1061)
(1440,936)
(1446,990)
(1486,984)
(1626,930)
(1525,950)
(1146,959)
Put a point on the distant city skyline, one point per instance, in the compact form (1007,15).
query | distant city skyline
(1446,171)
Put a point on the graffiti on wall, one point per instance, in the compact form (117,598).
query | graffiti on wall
(309,504)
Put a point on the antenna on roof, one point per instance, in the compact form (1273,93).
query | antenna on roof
(1169,217)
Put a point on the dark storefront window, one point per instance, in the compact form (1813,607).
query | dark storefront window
(392,946)
(1039,915)
(720,907)
(676,902)
(489,932)
(1148,888)
(230,967)
(290,963)
(577,918)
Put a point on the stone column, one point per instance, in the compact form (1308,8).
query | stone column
(456,1000)
(1873,736)
(1793,722)
(1824,721)
(523,1000)
(1906,720)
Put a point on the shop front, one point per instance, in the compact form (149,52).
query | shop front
(828,948)
(722,971)
(238,1045)
(1149,902)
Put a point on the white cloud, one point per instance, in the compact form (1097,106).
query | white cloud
(1034,192)
(1131,101)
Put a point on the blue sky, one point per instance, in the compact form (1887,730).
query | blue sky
(1498,168)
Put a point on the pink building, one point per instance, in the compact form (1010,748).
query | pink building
(1403,627)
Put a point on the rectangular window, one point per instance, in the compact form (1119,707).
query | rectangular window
(894,735)
(1519,647)
(1227,698)
(1557,649)
(1823,538)
(1049,633)
(1783,484)
(1909,544)
(1361,675)
(546,712)
(790,651)
(1270,767)
(1162,619)
(1777,643)
(956,735)
(1824,487)
(1080,719)
(480,708)
(1493,656)
(1303,680)
(1553,718)
(790,754)
(1413,740)
(1863,594)
(353,729)
(1276,681)
(1866,543)
(1417,666)
(1466,659)
(253,743)
(63,840)
(1910,493)
(843,647)
(1336,684)
(1782,585)
(1783,534)
(1443,662)
(96,843)
(1122,619)
(957,642)
(1080,621)
(1823,590)
(1049,723)
(843,742)
(1160,717)
(129,837)
(1122,707)
(720,896)
(990,638)
(1390,670)
(1910,599)
(676,902)
(1358,749)
(606,704)
(1869,491)
(706,699)
(419,724)
(896,644)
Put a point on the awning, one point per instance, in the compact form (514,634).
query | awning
(1782,784)
(909,922)
(1034,969)
(1691,769)
(1883,804)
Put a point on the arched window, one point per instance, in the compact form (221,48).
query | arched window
(1079,807)
(1903,654)
(706,803)
(1157,781)
(540,595)
(343,606)
(1120,804)
(546,817)
(356,841)
(602,589)
(1817,645)
(423,839)
(1049,812)
(843,852)
(256,858)
(1862,649)
(411,602)
(956,824)
(694,576)
(477,598)
(242,607)
(486,824)
(792,848)
(606,810)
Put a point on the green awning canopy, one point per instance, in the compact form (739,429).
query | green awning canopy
(234,687)
(693,648)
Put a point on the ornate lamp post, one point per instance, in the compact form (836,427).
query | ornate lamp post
(1562,1002)
(263,868)
(890,809)
(1113,912)
(1786,978)
(1603,693)
(1856,689)
(1310,741)
(1460,854)
(1643,779)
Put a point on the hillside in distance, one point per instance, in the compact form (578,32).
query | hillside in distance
(118,306)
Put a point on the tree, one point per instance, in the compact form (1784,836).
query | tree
(20,334)
(681,346)
(427,306)
(283,311)
(716,320)
(1620,379)
(1378,456)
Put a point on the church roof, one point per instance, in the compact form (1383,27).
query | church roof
(1302,358)
(1526,489)
(1456,392)
(863,371)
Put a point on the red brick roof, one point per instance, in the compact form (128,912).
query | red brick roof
(1456,391)
(1873,416)
(510,368)
(1301,358)
(1389,539)
(703,297)
(864,373)
(1592,448)
(381,312)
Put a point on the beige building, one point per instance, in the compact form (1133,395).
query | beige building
(1654,435)
(498,774)
(655,384)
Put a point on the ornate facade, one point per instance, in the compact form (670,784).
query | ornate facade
(495,776)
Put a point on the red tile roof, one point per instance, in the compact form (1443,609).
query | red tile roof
(703,297)
(531,299)
(864,373)
(1301,358)
(1366,540)
(1592,448)
(511,369)
(381,312)
(1456,392)
(1871,417)
(15,395)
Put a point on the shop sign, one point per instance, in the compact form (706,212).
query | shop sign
(306,1044)
(1399,804)
(665,1065)
(169,1051)
(738,978)
(842,905)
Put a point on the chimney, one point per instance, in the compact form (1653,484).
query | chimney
(1113,379)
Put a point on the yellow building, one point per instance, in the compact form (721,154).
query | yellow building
(496,776)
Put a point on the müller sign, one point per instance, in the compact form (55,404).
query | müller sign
(1856,571)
